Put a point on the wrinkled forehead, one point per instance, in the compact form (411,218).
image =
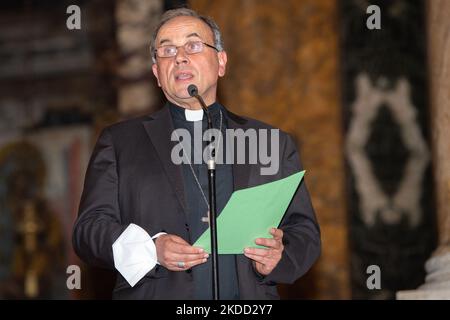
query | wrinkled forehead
(182,28)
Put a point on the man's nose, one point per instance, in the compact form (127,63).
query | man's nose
(181,56)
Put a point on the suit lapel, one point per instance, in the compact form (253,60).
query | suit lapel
(159,128)
(241,172)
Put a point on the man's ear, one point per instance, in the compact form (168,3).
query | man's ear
(155,72)
(222,55)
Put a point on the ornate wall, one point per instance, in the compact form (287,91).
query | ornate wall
(137,89)
(53,83)
(390,190)
(437,281)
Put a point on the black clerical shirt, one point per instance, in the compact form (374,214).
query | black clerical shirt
(197,207)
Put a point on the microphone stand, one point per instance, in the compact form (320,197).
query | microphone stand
(193,91)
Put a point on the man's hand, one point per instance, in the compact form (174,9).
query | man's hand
(176,254)
(265,260)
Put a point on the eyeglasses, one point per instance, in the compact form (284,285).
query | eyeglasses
(190,47)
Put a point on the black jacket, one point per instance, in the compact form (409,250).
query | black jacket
(131,179)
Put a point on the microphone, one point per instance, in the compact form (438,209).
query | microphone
(193,92)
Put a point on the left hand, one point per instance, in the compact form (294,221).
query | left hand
(265,260)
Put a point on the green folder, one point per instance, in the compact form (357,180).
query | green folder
(250,213)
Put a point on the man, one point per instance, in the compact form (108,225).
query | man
(140,212)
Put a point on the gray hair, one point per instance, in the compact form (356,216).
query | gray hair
(185,12)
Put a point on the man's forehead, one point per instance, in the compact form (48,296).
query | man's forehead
(184,27)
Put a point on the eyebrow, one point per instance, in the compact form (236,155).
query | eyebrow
(190,35)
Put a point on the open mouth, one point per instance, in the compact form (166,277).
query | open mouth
(183,76)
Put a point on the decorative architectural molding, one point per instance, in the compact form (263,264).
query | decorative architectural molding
(406,200)
(136,19)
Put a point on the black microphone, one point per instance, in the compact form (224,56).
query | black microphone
(193,92)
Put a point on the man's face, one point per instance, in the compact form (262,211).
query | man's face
(176,73)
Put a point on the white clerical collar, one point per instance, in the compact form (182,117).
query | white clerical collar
(193,115)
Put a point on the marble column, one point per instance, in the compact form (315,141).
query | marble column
(282,69)
(137,90)
(437,281)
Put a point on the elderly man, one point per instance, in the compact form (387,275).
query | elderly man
(140,212)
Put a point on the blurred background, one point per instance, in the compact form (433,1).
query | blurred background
(368,107)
